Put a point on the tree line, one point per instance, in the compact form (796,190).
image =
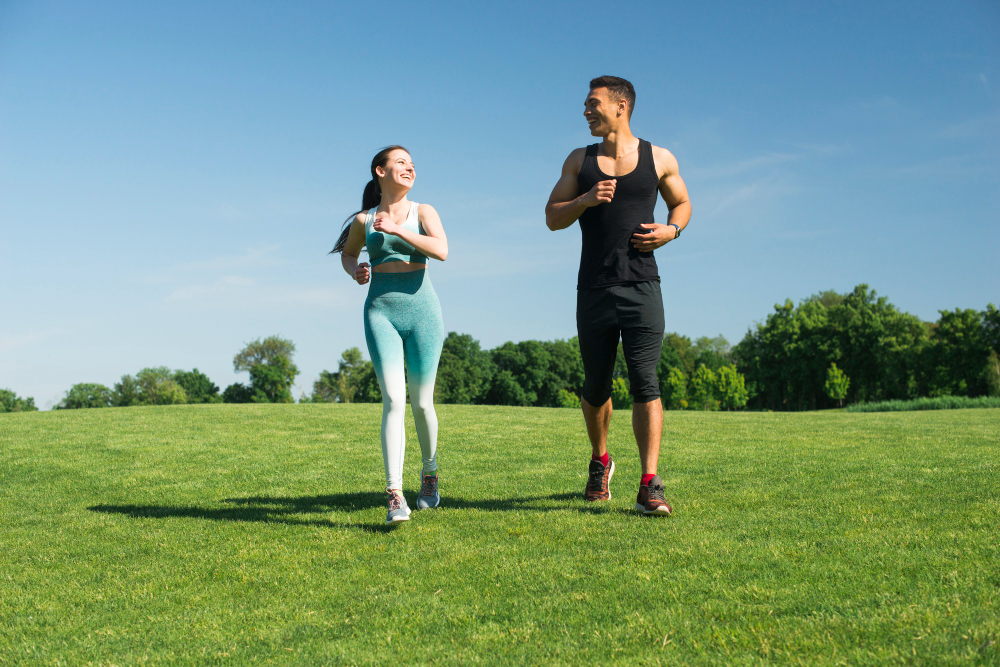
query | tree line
(829,349)
(693,375)
(268,361)
(870,349)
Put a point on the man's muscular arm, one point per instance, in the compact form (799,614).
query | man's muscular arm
(675,195)
(566,204)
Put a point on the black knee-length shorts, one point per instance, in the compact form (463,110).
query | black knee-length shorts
(632,312)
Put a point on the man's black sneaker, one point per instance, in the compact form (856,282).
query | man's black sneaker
(650,499)
(598,481)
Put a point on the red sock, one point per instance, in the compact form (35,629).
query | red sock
(646,478)
(603,459)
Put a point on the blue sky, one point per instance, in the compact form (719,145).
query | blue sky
(173,174)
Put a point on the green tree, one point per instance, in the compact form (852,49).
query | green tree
(880,347)
(85,395)
(523,364)
(272,373)
(263,351)
(326,389)
(991,333)
(506,390)
(670,359)
(272,383)
(703,388)
(712,352)
(197,386)
(730,388)
(991,327)
(568,399)
(785,359)
(827,298)
(565,370)
(126,393)
(837,384)
(11,402)
(680,352)
(539,370)
(674,389)
(237,393)
(158,387)
(959,358)
(354,381)
(621,399)
(464,372)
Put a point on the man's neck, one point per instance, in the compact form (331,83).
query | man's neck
(619,143)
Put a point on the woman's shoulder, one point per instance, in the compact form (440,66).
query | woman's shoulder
(361,217)
(425,209)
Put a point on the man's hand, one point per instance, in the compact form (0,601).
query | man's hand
(362,274)
(657,236)
(601,193)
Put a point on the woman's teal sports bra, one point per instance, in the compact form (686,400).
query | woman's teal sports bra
(384,247)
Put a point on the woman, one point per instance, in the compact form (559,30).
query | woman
(402,313)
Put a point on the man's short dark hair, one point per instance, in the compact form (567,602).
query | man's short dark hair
(619,88)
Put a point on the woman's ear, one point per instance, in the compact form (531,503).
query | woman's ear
(380,172)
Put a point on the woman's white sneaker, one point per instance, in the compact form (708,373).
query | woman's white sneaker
(398,509)
(429,496)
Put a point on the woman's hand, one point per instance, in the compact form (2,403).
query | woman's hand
(362,274)
(385,225)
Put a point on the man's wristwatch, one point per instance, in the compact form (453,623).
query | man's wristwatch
(675,227)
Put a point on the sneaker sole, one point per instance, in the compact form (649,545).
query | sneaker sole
(660,511)
(404,518)
(610,475)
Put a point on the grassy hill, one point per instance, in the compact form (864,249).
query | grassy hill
(254,534)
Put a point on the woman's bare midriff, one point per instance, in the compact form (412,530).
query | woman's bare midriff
(398,267)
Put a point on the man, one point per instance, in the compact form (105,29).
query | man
(611,189)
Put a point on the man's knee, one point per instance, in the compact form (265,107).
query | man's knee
(596,396)
(643,384)
(645,394)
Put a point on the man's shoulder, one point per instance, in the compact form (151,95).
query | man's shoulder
(575,160)
(579,153)
(664,161)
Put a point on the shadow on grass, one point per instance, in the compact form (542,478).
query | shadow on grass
(367,499)
(249,514)
(268,509)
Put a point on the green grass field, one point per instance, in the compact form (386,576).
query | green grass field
(254,534)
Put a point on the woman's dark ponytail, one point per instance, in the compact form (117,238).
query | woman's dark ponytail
(370,198)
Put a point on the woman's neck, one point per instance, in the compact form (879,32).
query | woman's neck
(393,200)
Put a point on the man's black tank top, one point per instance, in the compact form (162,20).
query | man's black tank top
(608,256)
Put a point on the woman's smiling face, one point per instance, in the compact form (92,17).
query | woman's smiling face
(398,170)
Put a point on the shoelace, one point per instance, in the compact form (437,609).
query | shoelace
(394,503)
(429,487)
(597,479)
(656,493)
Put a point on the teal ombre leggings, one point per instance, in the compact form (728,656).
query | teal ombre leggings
(403,321)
